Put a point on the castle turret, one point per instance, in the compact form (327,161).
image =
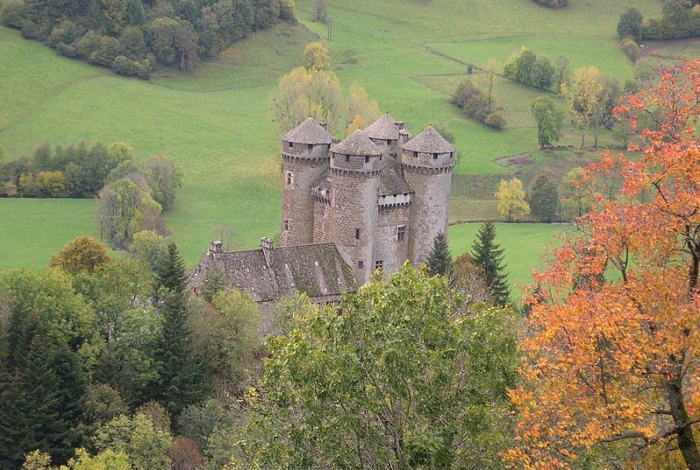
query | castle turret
(355,166)
(384,132)
(427,161)
(305,156)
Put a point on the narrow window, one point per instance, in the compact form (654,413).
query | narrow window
(379,264)
(347,158)
(435,155)
(401,232)
(291,145)
(290,178)
(360,264)
(357,234)
(311,146)
(366,159)
(286,225)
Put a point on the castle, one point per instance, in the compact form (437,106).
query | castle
(371,201)
(379,195)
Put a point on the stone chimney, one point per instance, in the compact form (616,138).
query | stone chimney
(266,245)
(216,247)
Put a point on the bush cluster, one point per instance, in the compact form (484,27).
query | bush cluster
(132,36)
(529,69)
(79,171)
(554,3)
(475,105)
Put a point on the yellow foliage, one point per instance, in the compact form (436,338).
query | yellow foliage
(511,199)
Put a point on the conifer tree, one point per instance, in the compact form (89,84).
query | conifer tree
(439,258)
(181,379)
(488,257)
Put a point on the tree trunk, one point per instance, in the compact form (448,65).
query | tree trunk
(686,441)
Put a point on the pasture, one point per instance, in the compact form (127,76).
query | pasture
(214,122)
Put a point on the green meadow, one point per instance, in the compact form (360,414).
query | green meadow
(215,124)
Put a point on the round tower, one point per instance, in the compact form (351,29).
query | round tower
(355,165)
(384,132)
(427,161)
(305,157)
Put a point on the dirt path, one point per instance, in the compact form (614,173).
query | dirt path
(657,46)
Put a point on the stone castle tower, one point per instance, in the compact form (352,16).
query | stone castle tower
(379,195)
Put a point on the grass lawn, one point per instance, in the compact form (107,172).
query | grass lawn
(32,230)
(215,124)
(524,246)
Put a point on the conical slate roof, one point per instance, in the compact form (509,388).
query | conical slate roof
(429,141)
(357,144)
(383,128)
(308,132)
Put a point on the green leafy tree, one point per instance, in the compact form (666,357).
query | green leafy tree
(164,179)
(137,438)
(439,259)
(487,255)
(225,336)
(544,199)
(576,191)
(404,378)
(549,120)
(603,112)
(630,24)
(127,208)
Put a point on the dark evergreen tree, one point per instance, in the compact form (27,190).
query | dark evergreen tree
(42,390)
(544,199)
(439,258)
(488,257)
(182,378)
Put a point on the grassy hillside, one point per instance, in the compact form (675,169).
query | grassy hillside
(214,122)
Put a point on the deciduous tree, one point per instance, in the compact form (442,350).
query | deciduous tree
(511,199)
(544,199)
(404,378)
(583,93)
(306,93)
(610,358)
(630,24)
(549,120)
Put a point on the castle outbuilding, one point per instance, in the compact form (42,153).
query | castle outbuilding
(371,201)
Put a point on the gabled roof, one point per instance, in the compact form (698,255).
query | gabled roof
(323,181)
(383,128)
(317,270)
(391,180)
(308,132)
(429,141)
(357,144)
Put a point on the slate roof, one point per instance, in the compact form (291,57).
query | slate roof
(357,144)
(318,270)
(429,141)
(383,128)
(309,132)
(391,180)
(323,181)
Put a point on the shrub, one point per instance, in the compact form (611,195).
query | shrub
(12,14)
(496,120)
(124,66)
(631,49)
(65,32)
(288,11)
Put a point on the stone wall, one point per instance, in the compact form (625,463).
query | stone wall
(354,218)
(388,248)
(297,224)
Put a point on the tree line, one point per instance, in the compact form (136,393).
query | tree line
(133,36)
(110,363)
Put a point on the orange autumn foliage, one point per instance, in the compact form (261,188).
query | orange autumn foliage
(611,349)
